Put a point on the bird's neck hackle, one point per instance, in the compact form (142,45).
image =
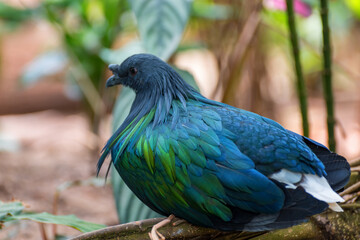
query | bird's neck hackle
(151,106)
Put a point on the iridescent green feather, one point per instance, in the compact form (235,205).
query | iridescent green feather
(129,133)
(183,157)
(209,184)
(182,154)
(149,156)
(209,150)
(198,157)
(167,159)
(182,175)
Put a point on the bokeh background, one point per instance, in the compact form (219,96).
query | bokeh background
(55,114)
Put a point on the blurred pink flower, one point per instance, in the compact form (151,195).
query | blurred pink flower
(300,7)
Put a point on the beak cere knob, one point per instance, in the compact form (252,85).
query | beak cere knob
(114,68)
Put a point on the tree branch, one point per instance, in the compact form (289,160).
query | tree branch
(141,229)
(344,225)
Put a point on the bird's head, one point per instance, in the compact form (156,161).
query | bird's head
(145,72)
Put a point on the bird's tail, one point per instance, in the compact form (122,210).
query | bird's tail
(336,166)
(298,207)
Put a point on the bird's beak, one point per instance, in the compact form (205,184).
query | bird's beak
(114,79)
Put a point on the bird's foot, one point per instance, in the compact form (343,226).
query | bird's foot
(154,234)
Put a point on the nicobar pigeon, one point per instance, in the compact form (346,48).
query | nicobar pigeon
(212,164)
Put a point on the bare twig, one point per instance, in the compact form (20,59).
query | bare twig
(351,206)
(55,211)
(353,188)
(355,169)
(355,163)
(238,54)
(42,231)
(351,198)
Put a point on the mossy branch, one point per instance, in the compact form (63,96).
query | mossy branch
(141,229)
(328,225)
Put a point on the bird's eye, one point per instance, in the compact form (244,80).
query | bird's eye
(133,71)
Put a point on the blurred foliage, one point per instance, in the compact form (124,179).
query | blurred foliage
(55,62)
(13,211)
(89,30)
(160,24)
(85,29)
(13,17)
(354,6)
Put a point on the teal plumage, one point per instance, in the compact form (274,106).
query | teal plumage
(212,164)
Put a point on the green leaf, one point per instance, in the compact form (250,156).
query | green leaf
(119,55)
(187,77)
(340,19)
(161,24)
(113,10)
(210,10)
(94,12)
(58,2)
(67,220)
(10,209)
(354,6)
(47,64)
(13,14)
(122,106)
(191,46)
(61,237)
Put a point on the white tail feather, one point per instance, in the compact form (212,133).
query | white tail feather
(320,188)
(317,186)
(335,207)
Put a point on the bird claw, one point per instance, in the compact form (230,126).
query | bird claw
(154,234)
(162,237)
